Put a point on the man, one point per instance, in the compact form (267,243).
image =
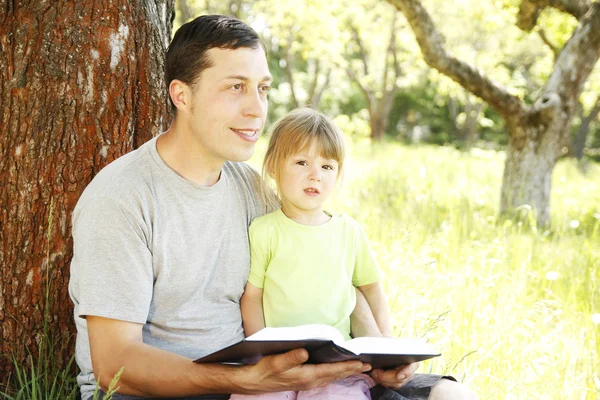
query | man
(160,238)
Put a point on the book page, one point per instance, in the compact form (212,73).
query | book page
(377,345)
(314,331)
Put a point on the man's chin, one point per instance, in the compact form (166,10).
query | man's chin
(241,156)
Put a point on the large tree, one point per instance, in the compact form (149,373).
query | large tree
(81,83)
(537,132)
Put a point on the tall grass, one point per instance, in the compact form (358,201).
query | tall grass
(514,309)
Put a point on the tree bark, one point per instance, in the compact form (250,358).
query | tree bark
(81,84)
(537,133)
(583,130)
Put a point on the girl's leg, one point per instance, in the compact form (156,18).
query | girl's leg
(353,387)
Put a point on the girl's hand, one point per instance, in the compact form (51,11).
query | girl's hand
(395,378)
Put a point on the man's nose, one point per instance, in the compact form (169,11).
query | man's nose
(255,105)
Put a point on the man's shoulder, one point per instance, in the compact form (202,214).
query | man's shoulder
(122,178)
(242,173)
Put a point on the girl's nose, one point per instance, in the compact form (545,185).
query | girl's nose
(315,174)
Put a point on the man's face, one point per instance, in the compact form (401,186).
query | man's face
(229,104)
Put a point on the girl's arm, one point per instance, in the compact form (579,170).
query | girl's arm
(252,309)
(377,302)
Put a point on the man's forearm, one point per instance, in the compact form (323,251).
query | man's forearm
(152,372)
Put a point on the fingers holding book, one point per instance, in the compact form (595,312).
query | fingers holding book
(395,378)
(288,371)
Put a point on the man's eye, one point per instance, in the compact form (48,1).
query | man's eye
(265,88)
(237,86)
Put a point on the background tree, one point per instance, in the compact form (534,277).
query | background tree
(80,84)
(554,34)
(304,38)
(373,61)
(537,133)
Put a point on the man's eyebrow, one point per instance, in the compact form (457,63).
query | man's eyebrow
(266,78)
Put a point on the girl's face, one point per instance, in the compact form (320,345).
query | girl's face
(306,180)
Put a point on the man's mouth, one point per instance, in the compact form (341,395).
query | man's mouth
(248,134)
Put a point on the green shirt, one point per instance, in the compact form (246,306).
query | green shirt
(308,273)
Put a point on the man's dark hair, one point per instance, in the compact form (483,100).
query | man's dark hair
(186,56)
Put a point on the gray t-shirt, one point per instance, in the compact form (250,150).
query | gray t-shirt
(153,248)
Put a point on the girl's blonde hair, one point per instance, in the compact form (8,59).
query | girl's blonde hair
(297,131)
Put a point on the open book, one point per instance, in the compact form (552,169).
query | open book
(324,344)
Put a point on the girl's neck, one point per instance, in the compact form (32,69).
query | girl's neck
(305,217)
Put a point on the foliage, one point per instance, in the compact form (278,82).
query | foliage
(300,34)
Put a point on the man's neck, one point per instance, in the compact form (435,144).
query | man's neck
(187,158)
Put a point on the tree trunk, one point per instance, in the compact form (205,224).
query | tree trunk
(80,85)
(583,130)
(472,111)
(377,124)
(581,138)
(530,158)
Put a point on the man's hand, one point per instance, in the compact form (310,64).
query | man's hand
(395,378)
(288,372)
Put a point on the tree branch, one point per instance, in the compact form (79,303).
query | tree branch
(316,98)
(363,56)
(361,48)
(595,110)
(529,10)
(431,43)
(313,85)
(389,51)
(363,89)
(555,49)
(290,74)
(575,62)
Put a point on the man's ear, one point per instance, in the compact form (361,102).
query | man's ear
(180,94)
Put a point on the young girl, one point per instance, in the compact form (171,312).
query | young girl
(305,261)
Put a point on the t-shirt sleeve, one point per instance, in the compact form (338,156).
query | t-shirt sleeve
(113,262)
(259,253)
(366,268)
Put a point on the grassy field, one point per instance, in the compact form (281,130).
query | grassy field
(515,310)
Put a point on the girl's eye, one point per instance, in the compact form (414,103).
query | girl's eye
(328,167)
(303,163)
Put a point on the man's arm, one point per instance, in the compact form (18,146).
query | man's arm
(152,372)
(252,309)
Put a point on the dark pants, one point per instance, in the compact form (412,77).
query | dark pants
(418,388)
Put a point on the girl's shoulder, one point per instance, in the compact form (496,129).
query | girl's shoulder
(346,220)
(266,221)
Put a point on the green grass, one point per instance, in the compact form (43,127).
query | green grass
(513,309)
